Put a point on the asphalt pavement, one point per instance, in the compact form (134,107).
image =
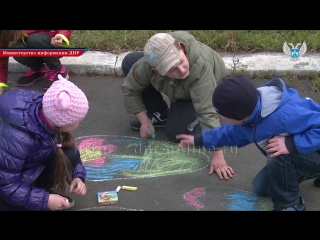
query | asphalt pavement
(167,177)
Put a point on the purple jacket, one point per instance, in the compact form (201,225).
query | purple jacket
(26,142)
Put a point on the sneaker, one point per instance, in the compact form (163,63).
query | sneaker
(316,182)
(53,76)
(158,120)
(31,77)
(301,206)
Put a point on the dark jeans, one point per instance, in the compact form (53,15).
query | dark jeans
(38,41)
(281,177)
(45,180)
(181,113)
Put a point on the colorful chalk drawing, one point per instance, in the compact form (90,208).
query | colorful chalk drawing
(108,208)
(236,200)
(108,157)
(230,199)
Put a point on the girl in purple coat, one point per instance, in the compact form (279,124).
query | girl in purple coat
(38,157)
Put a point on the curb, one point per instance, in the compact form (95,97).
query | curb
(104,63)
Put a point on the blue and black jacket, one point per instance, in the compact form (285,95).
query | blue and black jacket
(279,111)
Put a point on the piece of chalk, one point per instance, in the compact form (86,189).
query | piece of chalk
(67,200)
(64,39)
(153,135)
(129,188)
(118,188)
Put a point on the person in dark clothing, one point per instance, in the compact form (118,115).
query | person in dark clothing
(38,157)
(42,68)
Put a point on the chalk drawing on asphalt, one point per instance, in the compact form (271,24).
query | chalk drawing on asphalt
(229,199)
(192,198)
(108,208)
(232,200)
(109,157)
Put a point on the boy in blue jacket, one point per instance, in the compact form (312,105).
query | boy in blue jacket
(283,125)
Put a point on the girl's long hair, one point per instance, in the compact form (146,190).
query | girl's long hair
(12,35)
(63,169)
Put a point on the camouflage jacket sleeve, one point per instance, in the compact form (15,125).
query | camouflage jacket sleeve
(201,93)
(134,83)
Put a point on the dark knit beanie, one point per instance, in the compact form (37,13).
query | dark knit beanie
(235,97)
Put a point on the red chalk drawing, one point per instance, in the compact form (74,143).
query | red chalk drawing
(93,152)
(192,197)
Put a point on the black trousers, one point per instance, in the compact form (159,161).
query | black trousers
(181,113)
(45,179)
(38,41)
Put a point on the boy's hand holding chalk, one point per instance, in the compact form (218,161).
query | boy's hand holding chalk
(153,135)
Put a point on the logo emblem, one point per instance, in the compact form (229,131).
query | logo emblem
(294,52)
(153,58)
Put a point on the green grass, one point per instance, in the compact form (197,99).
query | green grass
(223,41)
(230,41)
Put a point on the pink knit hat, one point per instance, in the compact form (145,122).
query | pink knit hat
(64,104)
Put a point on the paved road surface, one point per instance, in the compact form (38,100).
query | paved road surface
(167,177)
